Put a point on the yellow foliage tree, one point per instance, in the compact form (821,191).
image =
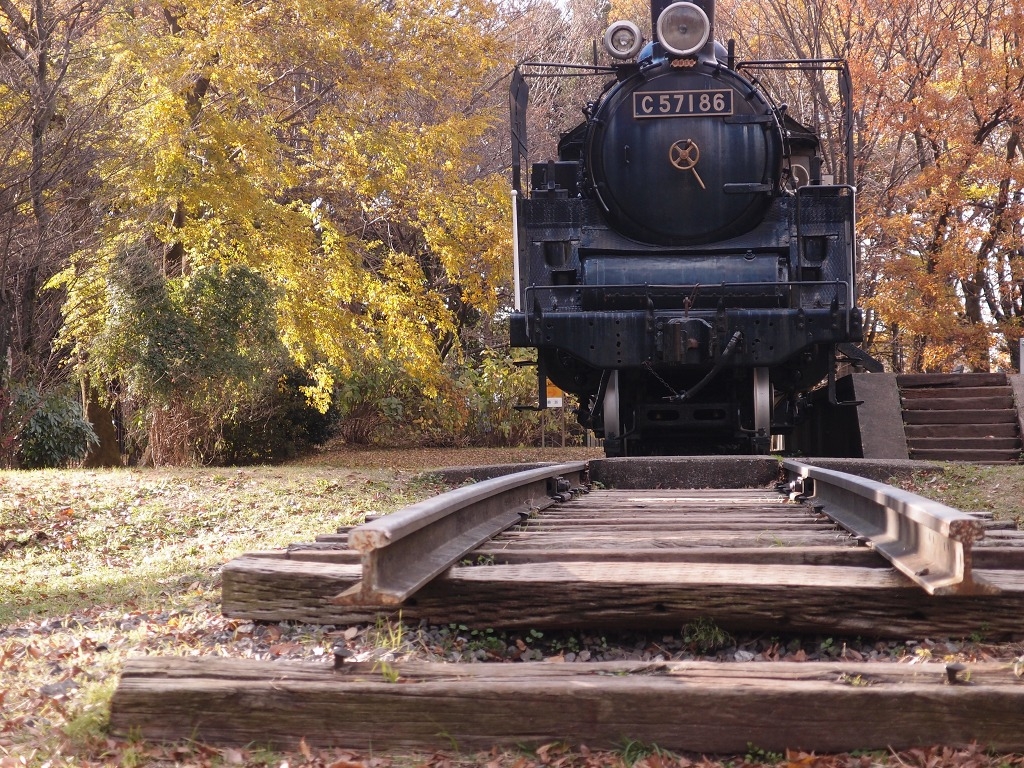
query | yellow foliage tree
(46,130)
(331,147)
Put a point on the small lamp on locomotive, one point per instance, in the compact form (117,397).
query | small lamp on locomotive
(623,40)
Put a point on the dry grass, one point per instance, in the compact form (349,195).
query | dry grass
(74,539)
(998,489)
(422,459)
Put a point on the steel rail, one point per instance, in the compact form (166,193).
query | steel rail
(924,539)
(403,551)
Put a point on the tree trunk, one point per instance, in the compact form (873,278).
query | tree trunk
(108,452)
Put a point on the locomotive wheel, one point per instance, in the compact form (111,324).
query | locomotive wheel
(762,411)
(612,417)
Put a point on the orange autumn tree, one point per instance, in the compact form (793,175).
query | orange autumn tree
(944,183)
(938,94)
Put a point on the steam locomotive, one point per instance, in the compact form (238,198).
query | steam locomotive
(686,265)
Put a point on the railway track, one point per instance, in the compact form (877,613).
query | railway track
(780,548)
(746,556)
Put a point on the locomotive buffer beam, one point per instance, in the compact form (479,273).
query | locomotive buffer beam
(927,541)
(681,396)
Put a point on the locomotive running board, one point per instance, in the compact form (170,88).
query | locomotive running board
(403,551)
(927,541)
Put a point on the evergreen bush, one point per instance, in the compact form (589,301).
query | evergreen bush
(56,434)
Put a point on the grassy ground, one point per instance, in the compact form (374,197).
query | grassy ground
(997,489)
(99,565)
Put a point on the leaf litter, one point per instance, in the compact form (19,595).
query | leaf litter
(97,566)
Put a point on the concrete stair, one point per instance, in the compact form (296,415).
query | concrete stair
(968,417)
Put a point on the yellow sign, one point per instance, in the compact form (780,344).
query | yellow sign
(554,396)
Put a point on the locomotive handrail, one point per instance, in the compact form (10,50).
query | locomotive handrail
(678,286)
(927,541)
(403,551)
(840,66)
(593,68)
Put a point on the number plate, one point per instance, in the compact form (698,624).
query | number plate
(682,103)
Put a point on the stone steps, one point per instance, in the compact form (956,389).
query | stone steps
(968,417)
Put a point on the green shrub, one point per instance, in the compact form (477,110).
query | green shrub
(56,434)
(282,427)
(197,359)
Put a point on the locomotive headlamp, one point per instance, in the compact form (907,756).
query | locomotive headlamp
(623,40)
(683,28)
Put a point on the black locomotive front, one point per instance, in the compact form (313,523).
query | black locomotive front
(683,266)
